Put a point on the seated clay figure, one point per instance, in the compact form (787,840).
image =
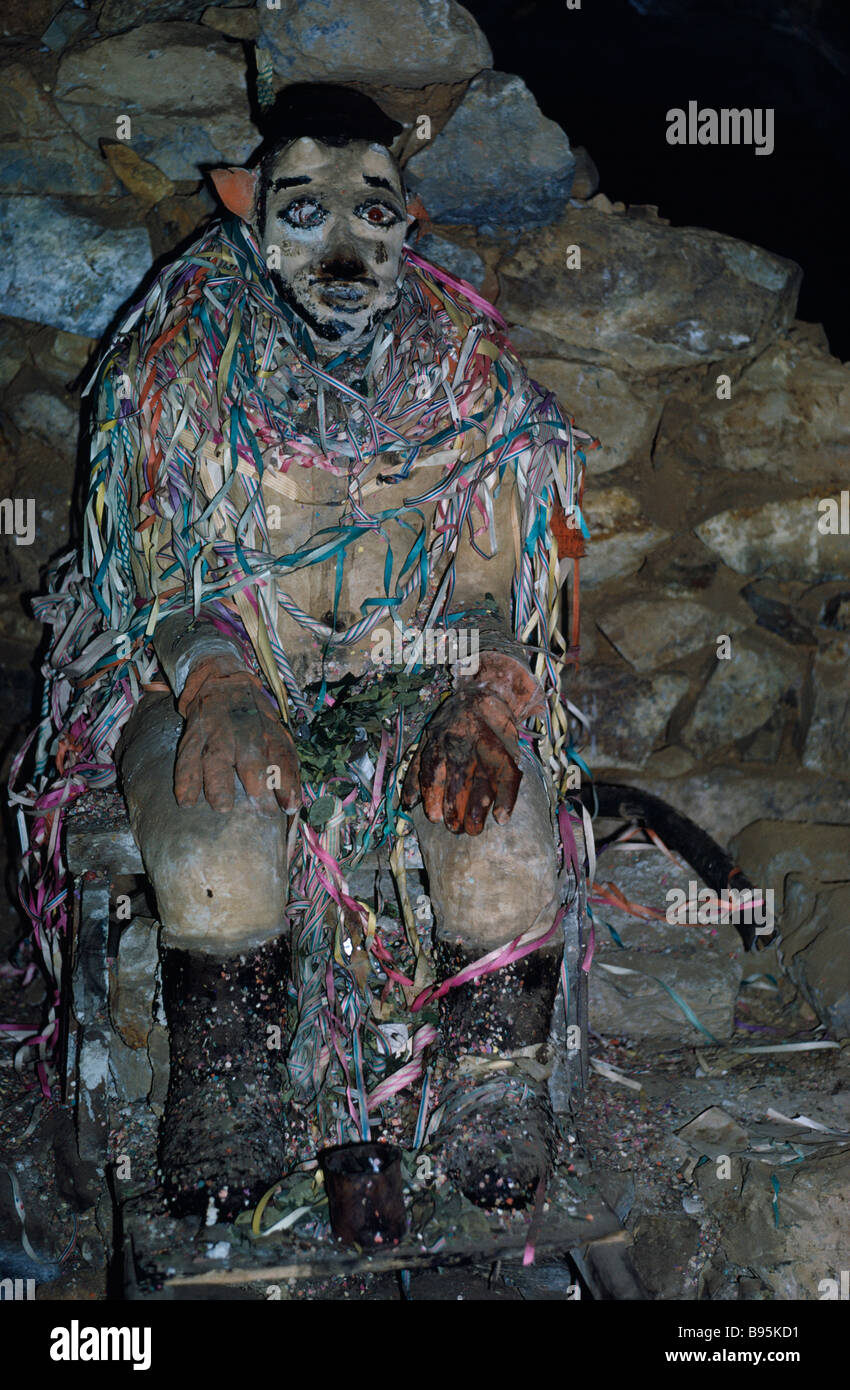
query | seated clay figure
(305,434)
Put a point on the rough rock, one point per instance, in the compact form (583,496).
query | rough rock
(629,714)
(662,1247)
(49,416)
(620,537)
(742,693)
(402,43)
(139,176)
(776,611)
(586,176)
(651,632)
(133,981)
(498,161)
(789,415)
(713,1132)
(23,18)
(637,1006)
(13,351)
(69,353)
(827,745)
(235,23)
(723,800)
(69,26)
(828,605)
(780,539)
(603,403)
(458,260)
(179,217)
(38,153)
(182,86)
(816,948)
(117,15)
(65,269)
(648,297)
(807,867)
(790,1221)
(670,761)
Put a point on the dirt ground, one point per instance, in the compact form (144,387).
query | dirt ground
(623,1142)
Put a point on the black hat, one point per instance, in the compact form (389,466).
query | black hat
(323,110)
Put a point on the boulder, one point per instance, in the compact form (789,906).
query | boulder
(788,1220)
(602,402)
(498,161)
(699,963)
(69,26)
(628,714)
(777,610)
(21,19)
(639,1006)
(402,43)
(723,800)
(647,297)
(620,538)
(742,693)
(65,269)
(780,539)
(586,176)
(182,86)
(827,744)
(788,415)
(43,413)
(647,877)
(652,632)
(771,850)
(38,153)
(13,351)
(235,23)
(462,261)
(663,1246)
(118,15)
(816,948)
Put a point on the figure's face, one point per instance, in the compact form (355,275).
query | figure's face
(337,216)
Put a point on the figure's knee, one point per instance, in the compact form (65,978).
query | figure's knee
(487,888)
(220,879)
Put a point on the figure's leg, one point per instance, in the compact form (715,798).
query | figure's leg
(220,881)
(487,889)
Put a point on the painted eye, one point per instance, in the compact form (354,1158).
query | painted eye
(378,215)
(304,212)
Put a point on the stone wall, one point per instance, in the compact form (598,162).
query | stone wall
(716,612)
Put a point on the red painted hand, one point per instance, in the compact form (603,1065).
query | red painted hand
(233,730)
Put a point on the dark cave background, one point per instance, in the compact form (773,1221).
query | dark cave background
(609,72)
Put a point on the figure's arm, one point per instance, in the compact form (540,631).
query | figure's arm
(182,642)
(232,729)
(467,761)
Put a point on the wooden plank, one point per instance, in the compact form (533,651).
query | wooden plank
(612,1274)
(552,1240)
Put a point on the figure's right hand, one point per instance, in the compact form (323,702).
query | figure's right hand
(233,730)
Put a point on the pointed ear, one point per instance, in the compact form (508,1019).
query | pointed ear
(237,189)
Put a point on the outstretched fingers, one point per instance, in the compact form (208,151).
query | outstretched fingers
(188,770)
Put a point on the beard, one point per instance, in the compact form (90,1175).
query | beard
(335,329)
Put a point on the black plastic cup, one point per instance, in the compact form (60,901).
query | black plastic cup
(365,1198)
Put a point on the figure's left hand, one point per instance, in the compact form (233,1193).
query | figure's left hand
(467,761)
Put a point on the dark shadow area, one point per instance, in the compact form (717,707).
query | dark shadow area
(609,73)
